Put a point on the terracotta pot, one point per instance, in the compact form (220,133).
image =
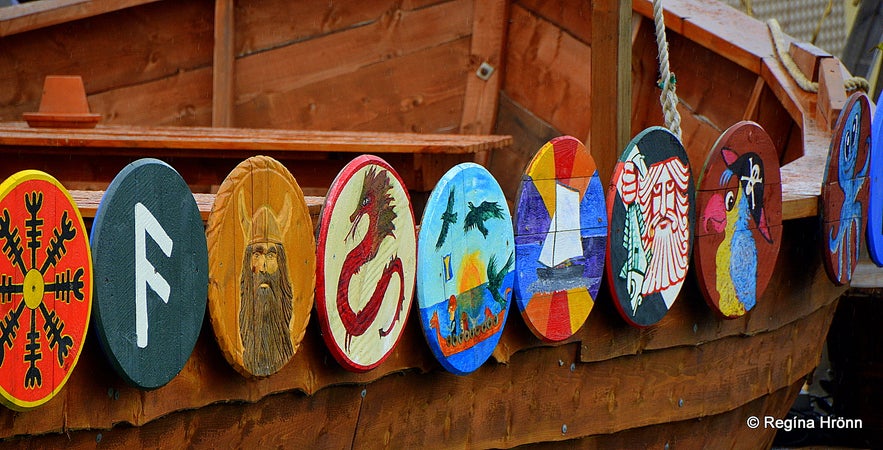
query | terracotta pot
(63,105)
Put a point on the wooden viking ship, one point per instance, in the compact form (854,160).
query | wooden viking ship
(426,84)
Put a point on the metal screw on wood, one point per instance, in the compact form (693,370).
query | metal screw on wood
(564,429)
(485,70)
(680,403)
(364,393)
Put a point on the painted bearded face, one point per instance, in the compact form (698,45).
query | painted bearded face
(661,190)
(665,207)
(266,308)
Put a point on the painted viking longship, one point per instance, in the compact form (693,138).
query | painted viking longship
(206,86)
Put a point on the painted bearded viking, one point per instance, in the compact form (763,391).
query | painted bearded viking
(265,291)
(658,228)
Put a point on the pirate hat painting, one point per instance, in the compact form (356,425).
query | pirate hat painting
(740,219)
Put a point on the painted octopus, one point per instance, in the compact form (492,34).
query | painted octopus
(846,243)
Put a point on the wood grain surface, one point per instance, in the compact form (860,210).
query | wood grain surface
(262,266)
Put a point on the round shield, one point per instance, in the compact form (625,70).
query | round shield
(366,263)
(740,219)
(45,288)
(560,239)
(650,221)
(465,267)
(151,272)
(875,194)
(845,189)
(262,266)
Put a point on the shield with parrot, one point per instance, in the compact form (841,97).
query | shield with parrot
(739,226)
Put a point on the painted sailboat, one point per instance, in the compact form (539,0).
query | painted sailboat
(562,248)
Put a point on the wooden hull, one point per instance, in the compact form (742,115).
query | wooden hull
(692,380)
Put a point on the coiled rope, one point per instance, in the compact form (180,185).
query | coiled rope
(668,98)
(850,84)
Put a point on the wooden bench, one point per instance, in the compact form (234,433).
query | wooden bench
(88,202)
(88,159)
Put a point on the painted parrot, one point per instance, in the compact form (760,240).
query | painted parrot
(732,212)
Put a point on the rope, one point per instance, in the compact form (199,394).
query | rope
(850,84)
(668,98)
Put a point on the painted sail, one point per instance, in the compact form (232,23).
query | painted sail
(563,240)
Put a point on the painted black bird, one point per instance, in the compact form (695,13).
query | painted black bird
(476,216)
(495,278)
(448,217)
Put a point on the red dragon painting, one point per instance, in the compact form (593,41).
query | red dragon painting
(376,205)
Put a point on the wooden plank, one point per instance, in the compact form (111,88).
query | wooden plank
(173,40)
(329,420)
(267,25)
(711,87)
(751,111)
(646,111)
(610,83)
(832,95)
(489,27)
(194,141)
(529,133)
(718,27)
(35,15)
(404,94)
(807,57)
(356,51)
(726,430)
(772,116)
(573,17)
(183,99)
(501,413)
(315,170)
(547,72)
(222,66)
(88,201)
